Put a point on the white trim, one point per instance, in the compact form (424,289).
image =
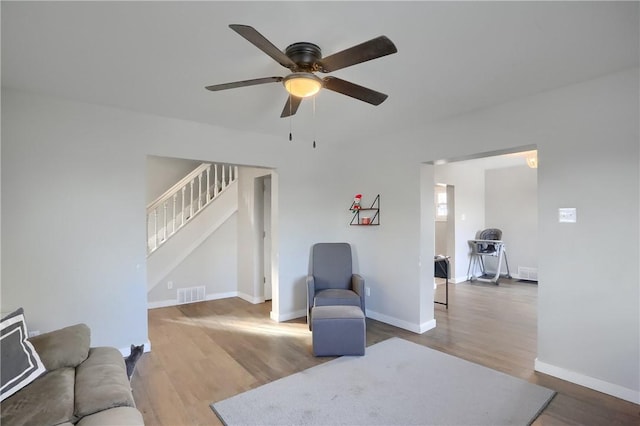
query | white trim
(216,296)
(587,381)
(251,299)
(426,326)
(162,304)
(174,302)
(127,351)
(288,316)
(416,328)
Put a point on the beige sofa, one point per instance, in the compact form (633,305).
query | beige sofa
(82,385)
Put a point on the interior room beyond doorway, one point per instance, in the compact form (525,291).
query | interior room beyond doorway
(496,191)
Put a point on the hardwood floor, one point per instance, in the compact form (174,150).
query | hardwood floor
(205,352)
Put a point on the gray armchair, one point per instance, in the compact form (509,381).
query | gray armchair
(331,280)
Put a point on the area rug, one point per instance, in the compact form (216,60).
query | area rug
(396,382)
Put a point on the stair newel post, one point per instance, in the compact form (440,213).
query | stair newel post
(184,190)
(215,180)
(208,184)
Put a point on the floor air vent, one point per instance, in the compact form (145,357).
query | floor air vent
(526,273)
(190,295)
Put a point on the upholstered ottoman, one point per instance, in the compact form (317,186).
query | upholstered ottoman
(338,330)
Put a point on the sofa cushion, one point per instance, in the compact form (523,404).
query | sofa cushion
(101,382)
(66,347)
(19,361)
(46,401)
(121,416)
(336,296)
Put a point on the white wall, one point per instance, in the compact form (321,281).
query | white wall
(93,158)
(511,204)
(440,243)
(69,254)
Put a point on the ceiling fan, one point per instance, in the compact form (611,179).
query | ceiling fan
(304,59)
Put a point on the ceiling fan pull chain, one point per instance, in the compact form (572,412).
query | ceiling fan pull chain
(290,121)
(314,122)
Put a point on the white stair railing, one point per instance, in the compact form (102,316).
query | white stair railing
(180,203)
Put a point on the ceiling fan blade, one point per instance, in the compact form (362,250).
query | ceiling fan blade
(372,49)
(291,107)
(216,87)
(350,89)
(258,40)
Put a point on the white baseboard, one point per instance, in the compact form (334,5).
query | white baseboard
(216,296)
(421,328)
(426,326)
(162,303)
(288,316)
(251,299)
(517,277)
(174,302)
(589,382)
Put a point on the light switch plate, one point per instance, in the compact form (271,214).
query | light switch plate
(567,215)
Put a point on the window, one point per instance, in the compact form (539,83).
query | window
(441,202)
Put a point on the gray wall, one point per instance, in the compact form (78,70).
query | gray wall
(511,204)
(163,173)
(212,264)
(440,243)
(249,229)
(587,138)
(93,159)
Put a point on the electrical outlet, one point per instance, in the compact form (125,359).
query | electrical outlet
(368,291)
(170,285)
(567,215)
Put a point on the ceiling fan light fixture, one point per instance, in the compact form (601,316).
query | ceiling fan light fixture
(302,84)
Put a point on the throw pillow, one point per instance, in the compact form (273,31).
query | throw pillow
(19,362)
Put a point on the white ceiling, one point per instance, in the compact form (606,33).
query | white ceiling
(453,57)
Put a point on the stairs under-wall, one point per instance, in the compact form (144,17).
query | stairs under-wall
(186,215)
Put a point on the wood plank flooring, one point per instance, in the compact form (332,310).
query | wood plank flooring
(205,352)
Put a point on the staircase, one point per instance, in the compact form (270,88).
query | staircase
(183,201)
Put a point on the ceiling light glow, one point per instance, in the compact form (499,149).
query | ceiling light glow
(302,84)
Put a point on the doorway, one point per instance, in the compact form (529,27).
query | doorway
(266,238)
(491,190)
(444,201)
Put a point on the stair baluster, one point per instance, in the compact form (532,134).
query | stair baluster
(226,173)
